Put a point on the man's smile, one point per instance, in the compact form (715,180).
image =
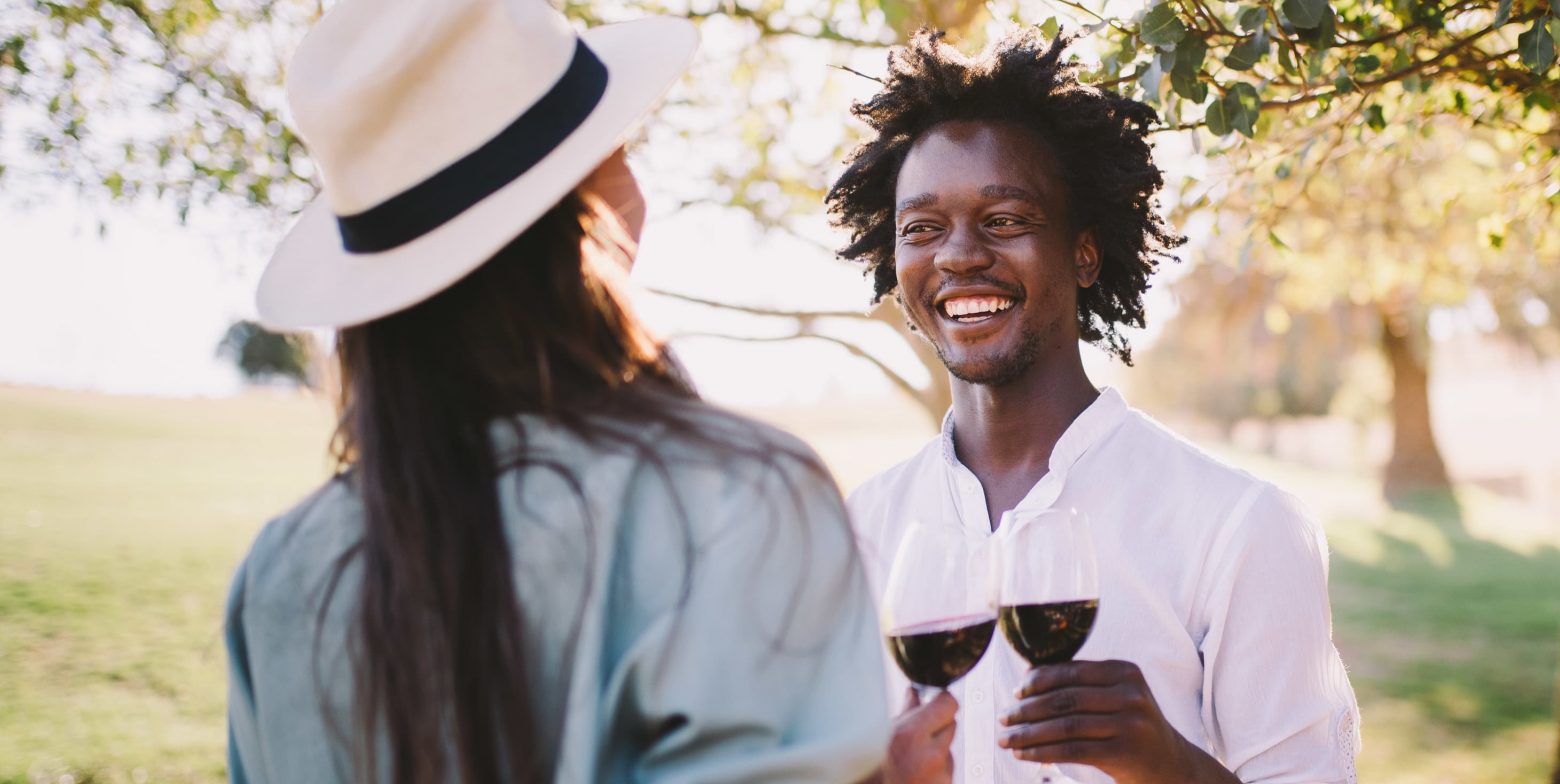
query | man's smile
(971,309)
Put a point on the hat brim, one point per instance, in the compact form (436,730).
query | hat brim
(313,282)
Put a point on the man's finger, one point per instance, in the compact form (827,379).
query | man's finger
(912,698)
(1050,677)
(1074,726)
(1060,702)
(1083,752)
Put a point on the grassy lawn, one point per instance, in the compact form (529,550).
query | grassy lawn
(121,519)
(120,523)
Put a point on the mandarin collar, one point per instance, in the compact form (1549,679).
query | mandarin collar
(1091,425)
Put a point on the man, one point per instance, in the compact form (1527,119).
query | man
(1010,211)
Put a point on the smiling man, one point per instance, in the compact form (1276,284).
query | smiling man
(1011,211)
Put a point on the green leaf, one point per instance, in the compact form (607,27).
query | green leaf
(1243,105)
(1325,34)
(1287,60)
(1503,13)
(1161,27)
(1246,54)
(1189,57)
(1275,241)
(1366,63)
(1374,117)
(1048,28)
(1218,119)
(1251,18)
(1536,47)
(1305,14)
(1189,87)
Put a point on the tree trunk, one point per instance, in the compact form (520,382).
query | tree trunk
(937,396)
(1415,465)
(1555,776)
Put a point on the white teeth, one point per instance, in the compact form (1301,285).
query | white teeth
(971,306)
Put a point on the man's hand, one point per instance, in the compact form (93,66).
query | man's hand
(921,751)
(1101,713)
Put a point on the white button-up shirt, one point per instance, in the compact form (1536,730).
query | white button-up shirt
(1212,581)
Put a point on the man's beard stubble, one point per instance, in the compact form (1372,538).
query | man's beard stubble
(1000,371)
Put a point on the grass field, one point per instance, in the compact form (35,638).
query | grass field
(121,519)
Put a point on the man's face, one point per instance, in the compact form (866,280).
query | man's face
(987,259)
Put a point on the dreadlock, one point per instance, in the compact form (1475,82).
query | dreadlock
(1101,141)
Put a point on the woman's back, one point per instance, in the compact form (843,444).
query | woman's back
(689,614)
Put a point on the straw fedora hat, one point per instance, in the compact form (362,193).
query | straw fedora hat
(442,130)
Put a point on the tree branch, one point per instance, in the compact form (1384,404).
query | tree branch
(768,29)
(1411,69)
(848,69)
(1111,22)
(1417,26)
(758,310)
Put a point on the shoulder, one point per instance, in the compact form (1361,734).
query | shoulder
(740,450)
(295,551)
(1234,506)
(1157,460)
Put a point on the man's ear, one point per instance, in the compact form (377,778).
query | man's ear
(1086,256)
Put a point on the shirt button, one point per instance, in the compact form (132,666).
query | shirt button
(979,769)
(978,695)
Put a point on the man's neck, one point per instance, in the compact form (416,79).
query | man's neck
(1005,434)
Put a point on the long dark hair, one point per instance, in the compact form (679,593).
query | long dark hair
(542,328)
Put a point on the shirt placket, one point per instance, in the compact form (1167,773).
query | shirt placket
(979,747)
(978,752)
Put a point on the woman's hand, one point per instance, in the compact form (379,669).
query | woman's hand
(1102,713)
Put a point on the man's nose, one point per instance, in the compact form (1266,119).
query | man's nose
(962,253)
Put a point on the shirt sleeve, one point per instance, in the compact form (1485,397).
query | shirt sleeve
(771,669)
(1278,706)
(243,734)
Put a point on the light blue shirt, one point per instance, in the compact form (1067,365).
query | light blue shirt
(708,623)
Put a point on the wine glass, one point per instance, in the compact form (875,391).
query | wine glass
(1048,588)
(937,613)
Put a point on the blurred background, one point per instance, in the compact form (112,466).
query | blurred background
(1366,314)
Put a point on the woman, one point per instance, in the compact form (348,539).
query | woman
(543,558)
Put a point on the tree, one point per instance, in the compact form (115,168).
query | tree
(178,99)
(1269,90)
(1387,223)
(1232,353)
(265,356)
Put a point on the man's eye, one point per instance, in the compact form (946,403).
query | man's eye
(915,228)
(1004,222)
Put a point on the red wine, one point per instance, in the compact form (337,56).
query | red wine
(1049,633)
(940,652)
